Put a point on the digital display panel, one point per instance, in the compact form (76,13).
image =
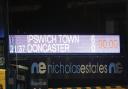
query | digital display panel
(64,43)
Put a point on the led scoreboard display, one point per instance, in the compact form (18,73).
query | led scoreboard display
(64,43)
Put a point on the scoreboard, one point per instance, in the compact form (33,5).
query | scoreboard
(106,62)
(64,43)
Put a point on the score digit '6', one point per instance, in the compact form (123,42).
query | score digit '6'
(92,43)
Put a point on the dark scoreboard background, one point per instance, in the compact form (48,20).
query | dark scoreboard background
(99,68)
